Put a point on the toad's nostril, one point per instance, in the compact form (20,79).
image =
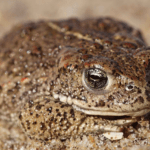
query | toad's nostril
(130,87)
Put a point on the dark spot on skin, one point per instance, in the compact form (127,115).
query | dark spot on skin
(20,98)
(38,107)
(108,106)
(37,115)
(66,105)
(139,99)
(63,140)
(95,123)
(43,127)
(47,100)
(25,94)
(139,91)
(46,139)
(83,119)
(100,104)
(13,100)
(30,103)
(111,98)
(28,123)
(49,109)
(20,117)
(44,89)
(57,101)
(31,113)
(131,105)
(58,114)
(65,115)
(72,113)
(61,119)
(57,110)
(34,123)
(62,106)
(52,119)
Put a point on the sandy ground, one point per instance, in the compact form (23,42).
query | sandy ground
(135,12)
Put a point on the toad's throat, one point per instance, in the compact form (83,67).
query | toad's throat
(104,112)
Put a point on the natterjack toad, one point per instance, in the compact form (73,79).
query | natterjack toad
(64,79)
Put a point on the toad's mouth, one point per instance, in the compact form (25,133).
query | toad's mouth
(115,118)
(89,111)
(100,112)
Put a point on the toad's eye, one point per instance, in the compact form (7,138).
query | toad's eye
(95,79)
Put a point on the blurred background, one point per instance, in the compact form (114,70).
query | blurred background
(135,12)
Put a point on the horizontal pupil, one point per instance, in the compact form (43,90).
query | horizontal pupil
(97,81)
(95,77)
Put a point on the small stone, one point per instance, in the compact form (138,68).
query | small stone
(113,135)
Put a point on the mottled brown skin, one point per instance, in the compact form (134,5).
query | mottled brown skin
(42,65)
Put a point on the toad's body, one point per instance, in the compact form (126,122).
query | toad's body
(61,79)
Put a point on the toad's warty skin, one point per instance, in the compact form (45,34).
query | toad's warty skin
(68,78)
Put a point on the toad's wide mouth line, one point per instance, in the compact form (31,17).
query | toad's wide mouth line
(90,111)
(112,113)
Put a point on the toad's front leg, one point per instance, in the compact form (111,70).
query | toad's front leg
(45,120)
